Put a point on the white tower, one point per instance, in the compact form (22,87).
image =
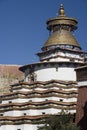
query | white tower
(49,85)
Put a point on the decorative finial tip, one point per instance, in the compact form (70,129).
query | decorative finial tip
(61,10)
(61,5)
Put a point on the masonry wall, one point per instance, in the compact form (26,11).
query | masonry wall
(81,112)
(9,74)
(81,118)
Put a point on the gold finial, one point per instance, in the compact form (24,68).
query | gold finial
(61,10)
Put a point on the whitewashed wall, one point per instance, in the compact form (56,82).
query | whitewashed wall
(54,72)
(63,73)
(83,83)
(40,100)
(34,112)
(21,127)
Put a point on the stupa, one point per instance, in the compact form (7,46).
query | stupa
(50,84)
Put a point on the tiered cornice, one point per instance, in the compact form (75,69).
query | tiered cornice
(60,90)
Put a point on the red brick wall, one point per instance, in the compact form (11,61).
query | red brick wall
(81,114)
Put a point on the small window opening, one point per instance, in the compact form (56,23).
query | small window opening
(61,100)
(43,113)
(25,114)
(10,101)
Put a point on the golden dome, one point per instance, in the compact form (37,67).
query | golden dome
(61,29)
(62,37)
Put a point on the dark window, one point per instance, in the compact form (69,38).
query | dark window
(25,114)
(1,114)
(43,112)
(10,101)
(61,100)
(56,68)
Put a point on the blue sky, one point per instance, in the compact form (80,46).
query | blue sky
(23,27)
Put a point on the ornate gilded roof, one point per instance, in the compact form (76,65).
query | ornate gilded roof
(62,37)
(61,28)
(62,19)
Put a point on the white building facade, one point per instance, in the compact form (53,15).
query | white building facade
(49,85)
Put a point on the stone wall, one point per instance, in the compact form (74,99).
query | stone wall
(9,74)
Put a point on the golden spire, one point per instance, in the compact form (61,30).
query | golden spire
(61,10)
(61,29)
